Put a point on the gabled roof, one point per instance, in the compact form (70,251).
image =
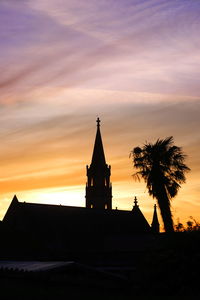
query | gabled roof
(138,215)
(12,208)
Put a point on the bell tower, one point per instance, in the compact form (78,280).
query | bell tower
(98,186)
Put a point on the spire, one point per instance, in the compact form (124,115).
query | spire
(155,224)
(98,157)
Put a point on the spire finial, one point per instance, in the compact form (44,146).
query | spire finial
(98,122)
(135,201)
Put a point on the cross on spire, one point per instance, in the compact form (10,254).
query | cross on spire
(98,157)
(98,122)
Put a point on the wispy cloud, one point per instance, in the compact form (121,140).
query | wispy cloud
(142,47)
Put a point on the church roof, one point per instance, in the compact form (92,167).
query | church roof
(98,157)
(68,219)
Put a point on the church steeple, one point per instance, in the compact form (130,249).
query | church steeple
(98,187)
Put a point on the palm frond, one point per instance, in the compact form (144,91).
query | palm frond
(136,176)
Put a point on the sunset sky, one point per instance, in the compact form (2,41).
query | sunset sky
(133,63)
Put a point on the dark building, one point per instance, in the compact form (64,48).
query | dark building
(57,230)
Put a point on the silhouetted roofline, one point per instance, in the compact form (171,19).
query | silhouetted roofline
(136,210)
(14,203)
(29,205)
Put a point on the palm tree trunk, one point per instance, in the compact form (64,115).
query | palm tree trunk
(164,205)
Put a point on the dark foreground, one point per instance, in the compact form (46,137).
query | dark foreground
(163,267)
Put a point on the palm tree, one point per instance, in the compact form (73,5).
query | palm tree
(162,167)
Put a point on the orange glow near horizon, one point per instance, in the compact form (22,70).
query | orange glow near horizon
(52,178)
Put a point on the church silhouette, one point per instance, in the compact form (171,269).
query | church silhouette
(41,230)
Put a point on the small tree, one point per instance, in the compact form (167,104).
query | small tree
(179,227)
